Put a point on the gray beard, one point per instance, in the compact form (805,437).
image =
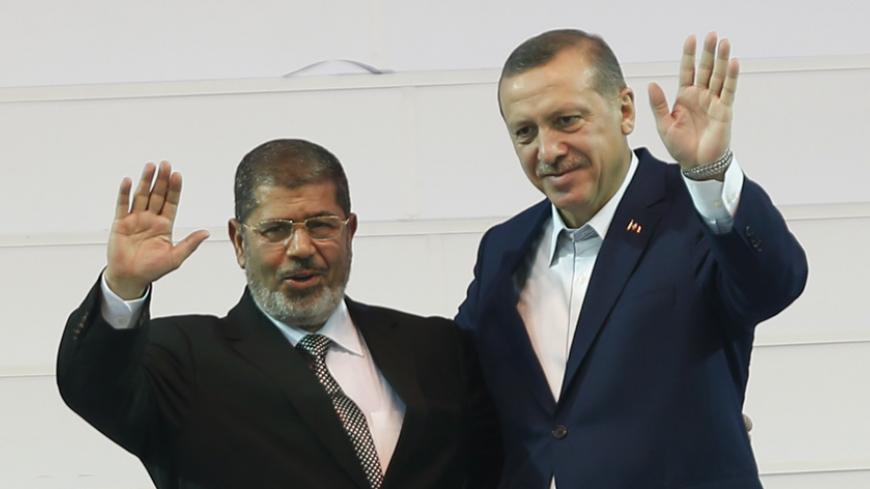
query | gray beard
(311,314)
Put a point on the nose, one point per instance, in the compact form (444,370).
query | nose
(550,146)
(299,244)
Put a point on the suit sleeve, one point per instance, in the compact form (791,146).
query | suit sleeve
(485,450)
(760,266)
(466,317)
(131,385)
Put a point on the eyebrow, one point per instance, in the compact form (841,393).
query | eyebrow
(561,109)
(320,214)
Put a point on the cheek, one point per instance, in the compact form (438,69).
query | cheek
(264,262)
(529,162)
(334,258)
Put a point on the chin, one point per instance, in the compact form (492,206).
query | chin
(305,307)
(571,202)
(307,294)
(311,311)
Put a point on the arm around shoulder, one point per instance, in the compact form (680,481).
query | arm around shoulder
(465,316)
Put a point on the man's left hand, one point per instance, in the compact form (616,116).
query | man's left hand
(697,131)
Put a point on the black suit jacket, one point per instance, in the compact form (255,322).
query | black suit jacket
(655,378)
(209,402)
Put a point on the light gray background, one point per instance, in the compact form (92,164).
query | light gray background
(90,90)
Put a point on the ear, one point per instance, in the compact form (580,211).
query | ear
(627,111)
(351,226)
(234,228)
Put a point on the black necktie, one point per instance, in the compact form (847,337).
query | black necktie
(353,420)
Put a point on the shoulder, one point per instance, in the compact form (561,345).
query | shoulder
(525,219)
(401,319)
(653,173)
(412,330)
(649,165)
(186,328)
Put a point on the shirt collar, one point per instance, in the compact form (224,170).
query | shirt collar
(599,222)
(339,328)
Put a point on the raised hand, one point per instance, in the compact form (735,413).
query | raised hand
(697,131)
(140,247)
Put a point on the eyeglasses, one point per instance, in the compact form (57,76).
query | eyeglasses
(279,231)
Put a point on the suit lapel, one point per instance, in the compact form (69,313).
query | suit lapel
(256,339)
(506,290)
(396,362)
(643,203)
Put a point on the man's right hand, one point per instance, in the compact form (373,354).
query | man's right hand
(140,245)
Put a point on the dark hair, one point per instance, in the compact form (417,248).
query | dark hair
(542,48)
(288,163)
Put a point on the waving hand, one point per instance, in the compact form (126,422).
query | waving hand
(697,130)
(140,247)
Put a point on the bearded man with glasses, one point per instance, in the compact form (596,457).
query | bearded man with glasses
(298,386)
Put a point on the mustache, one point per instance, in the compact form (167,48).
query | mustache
(560,166)
(299,265)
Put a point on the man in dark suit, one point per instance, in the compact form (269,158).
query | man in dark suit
(615,319)
(297,386)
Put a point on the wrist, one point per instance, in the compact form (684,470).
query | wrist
(709,171)
(125,289)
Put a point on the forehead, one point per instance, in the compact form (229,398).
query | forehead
(310,199)
(567,77)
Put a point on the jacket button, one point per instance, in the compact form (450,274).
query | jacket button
(560,432)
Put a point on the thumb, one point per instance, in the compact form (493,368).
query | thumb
(184,248)
(659,105)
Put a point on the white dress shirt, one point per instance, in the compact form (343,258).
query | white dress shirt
(348,360)
(552,295)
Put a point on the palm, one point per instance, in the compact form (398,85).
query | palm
(140,247)
(698,128)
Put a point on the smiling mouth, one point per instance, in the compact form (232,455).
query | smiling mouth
(555,170)
(557,174)
(561,172)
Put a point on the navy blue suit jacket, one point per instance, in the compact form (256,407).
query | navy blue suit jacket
(655,379)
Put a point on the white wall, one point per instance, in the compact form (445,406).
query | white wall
(51,42)
(430,169)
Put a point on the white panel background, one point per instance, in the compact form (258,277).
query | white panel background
(430,170)
(50,42)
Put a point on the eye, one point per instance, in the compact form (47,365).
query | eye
(524,134)
(567,121)
(321,223)
(325,227)
(276,231)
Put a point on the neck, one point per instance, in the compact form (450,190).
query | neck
(312,328)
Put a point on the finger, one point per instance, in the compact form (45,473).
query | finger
(173,197)
(123,205)
(729,89)
(721,67)
(140,199)
(184,248)
(161,185)
(687,64)
(659,105)
(705,67)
